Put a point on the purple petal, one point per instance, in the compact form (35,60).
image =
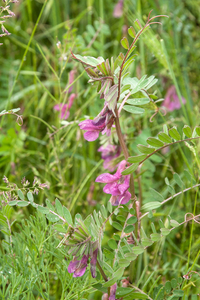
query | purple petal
(99,121)
(71,100)
(87,125)
(73,265)
(93,263)
(81,267)
(91,136)
(112,188)
(121,168)
(122,199)
(106,178)
(124,186)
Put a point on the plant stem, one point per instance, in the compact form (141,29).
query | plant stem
(103,275)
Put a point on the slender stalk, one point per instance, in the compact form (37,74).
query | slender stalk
(103,275)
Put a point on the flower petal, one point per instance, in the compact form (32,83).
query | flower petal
(106,178)
(91,136)
(73,265)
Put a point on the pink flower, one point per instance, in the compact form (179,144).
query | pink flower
(108,153)
(172,101)
(101,123)
(117,185)
(118,10)
(78,267)
(64,108)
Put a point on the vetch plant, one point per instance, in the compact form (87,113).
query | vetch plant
(112,264)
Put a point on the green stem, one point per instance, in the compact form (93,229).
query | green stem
(103,275)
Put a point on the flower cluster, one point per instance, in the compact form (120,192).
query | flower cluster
(102,123)
(78,267)
(117,185)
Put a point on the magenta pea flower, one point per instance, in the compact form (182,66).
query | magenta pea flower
(108,154)
(78,267)
(117,185)
(171,101)
(118,9)
(64,108)
(102,123)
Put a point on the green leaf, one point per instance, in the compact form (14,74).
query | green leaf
(188,131)
(164,138)
(110,282)
(174,134)
(135,159)
(117,225)
(131,32)
(157,196)
(130,256)
(167,287)
(22,203)
(43,210)
(130,169)
(138,250)
(165,231)
(145,149)
(99,287)
(67,215)
(109,207)
(132,220)
(118,274)
(30,196)
(138,101)
(197,130)
(178,293)
(132,211)
(134,109)
(136,296)
(129,229)
(20,194)
(146,242)
(116,237)
(12,203)
(125,43)
(155,237)
(60,228)
(174,223)
(52,217)
(154,142)
(121,218)
(151,205)
(178,180)
(124,262)
(112,244)
(59,208)
(174,283)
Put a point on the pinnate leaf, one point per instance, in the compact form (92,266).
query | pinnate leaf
(135,159)
(133,109)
